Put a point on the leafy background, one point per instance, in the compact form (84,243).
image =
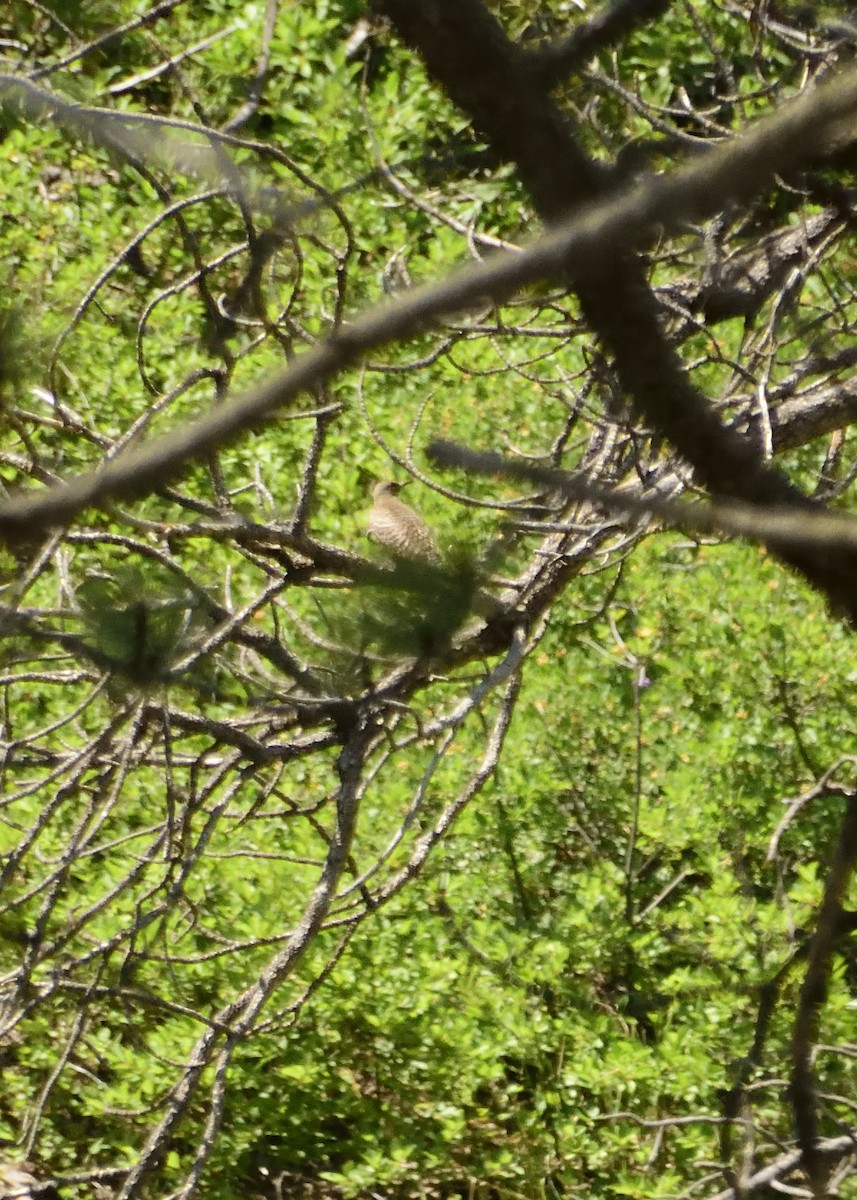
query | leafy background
(562,997)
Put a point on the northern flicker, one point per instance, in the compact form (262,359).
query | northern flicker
(16,1180)
(400,528)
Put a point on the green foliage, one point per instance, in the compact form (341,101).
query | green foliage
(138,622)
(485,1025)
(584,950)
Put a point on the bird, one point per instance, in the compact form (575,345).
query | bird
(17,1180)
(399,528)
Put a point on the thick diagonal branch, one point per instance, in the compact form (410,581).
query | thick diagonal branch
(482,71)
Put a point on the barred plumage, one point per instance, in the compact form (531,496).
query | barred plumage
(17,1180)
(398,527)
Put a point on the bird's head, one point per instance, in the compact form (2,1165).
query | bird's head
(387,488)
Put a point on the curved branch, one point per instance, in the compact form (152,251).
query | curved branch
(631,220)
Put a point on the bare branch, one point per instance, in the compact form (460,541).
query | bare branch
(737,169)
